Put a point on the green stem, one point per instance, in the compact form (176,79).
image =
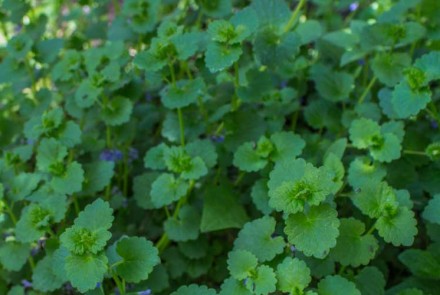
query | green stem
(294,16)
(76,205)
(173,74)
(119,284)
(372,228)
(239,178)
(181,127)
(367,90)
(342,269)
(417,153)
(235,99)
(11,213)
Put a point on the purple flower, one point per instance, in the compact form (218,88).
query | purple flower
(353,6)
(217,138)
(292,248)
(148,97)
(146,292)
(113,155)
(361,62)
(26,284)
(133,154)
(434,124)
(98,285)
(283,84)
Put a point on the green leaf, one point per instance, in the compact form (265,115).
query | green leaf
(221,209)
(167,189)
(363,131)
(421,263)
(389,67)
(22,185)
(182,94)
(264,282)
(370,281)
(363,171)
(137,258)
(97,176)
(400,228)
(13,255)
(83,241)
(241,264)
(293,275)
(33,223)
(233,286)
(408,102)
(260,197)
(247,159)
(70,181)
(290,191)
(315,232)
(97,215)
(204,149)
(215,8)
(433,151)
(154,158)
(353,247)
(219,57)
(50,152)
(376,198)
(287,145)
(142,188)
(69,134)
(44,278)
(273,48)
(429,63)
(336,284)
(117,111)
(256,237)
(87,94)
(194,290)
(387,150)
(185,227)
(84,271)
(332,85)
(143,15)
(271,12)
(432,210)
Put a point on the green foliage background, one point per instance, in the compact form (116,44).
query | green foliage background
(230,147)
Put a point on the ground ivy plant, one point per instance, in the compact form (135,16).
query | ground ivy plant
(229,147)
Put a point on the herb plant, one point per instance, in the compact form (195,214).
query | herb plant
(230,147)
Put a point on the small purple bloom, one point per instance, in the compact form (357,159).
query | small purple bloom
(146,292)
(133,154)
(26,284)
(353,6)
(245,281)
(434,124)
(30,142)
(283,84)
(218,138)
(98,285)
(292,248)
(113,155)
(148,97)
(35,251)
(361,62)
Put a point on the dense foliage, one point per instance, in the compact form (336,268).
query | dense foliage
(231,147)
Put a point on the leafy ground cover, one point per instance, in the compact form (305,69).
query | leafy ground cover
(230,147)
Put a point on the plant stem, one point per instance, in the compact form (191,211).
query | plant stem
(239,178)
(417,153)
(181,127)
(173,74)
(294,16)
(367,90)
(372,228)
